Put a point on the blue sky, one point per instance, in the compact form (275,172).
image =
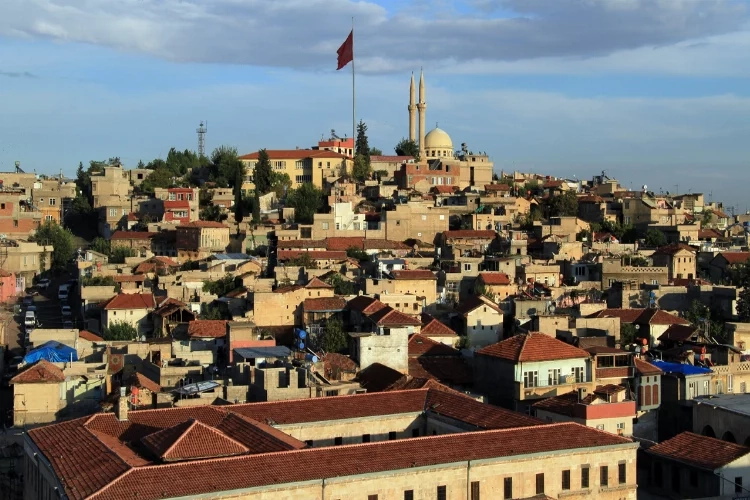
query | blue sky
(655,92)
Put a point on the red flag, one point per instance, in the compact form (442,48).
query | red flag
(346,51)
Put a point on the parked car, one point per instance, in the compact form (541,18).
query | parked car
(66,311)
(62,292)
(29,319)
(43,284)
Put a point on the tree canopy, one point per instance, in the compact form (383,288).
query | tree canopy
(361,170)
(306,201)
(50,233)
(238,205)
(362,147)
(376,152)
(655,238)
(174,171)
(220,287)
(563,205)
(333,338)
(263,175)
(120,331)
(280,183)
(213,213)
(407,147)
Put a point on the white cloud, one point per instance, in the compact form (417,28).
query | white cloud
(304,34)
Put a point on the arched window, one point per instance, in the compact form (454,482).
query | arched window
(708,431)
(729,437)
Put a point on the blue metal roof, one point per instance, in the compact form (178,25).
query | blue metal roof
(231,256)
(682,368)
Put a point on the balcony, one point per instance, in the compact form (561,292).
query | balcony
(545,390)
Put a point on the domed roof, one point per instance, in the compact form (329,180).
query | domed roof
(438,139)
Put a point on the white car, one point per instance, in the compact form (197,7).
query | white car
(62,293)
(29,320)
(66,311)
(43,284)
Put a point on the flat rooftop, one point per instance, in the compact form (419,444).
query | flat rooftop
(738,403)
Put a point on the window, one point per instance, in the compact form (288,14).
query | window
(442,217)
(441,493)
(15,223)
(2,206)
(620,426)
(585,476)
(415,433)
(338,441)
(365,438)
(706,387)
(475,490)
(325,225)
(48,217)
(53,201)
(41,200)
(391,436)
(603,475)
(467,267)
(553,376)
(409,495)
(654,282)
(530,379)
(309,442)
(372,497)
(729,383)
(113,212)
(424,217)
(508,488)
(693,479)
(622,473)
(738,484)
(580,374)
(600,427)
(566,479)
(540,483)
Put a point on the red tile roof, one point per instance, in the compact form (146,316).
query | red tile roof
(470,234)
(431,327)
(419,345)
(207,328)
(735,257)
(295,154)
(496,187)
(314,254)
(191,440)
(413,274)
(679,333)
(709,234)
(131,235)
(344,243)
(365,305)
(91,337)
(324,304)
(625,315)
(699,451)
(41,372)
(391,317)
(642,316)
(619,372)
(474,302)
(495,278)
(131,301)
(317,283)
(169,204)
(646,368)
(308,244)
(391,159)
(204,224)
(378,244)
(444,189)
(130,278)
(143,382)
(673,249)
(533,346)
(451,370)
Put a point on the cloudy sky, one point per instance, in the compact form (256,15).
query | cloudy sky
(654,92)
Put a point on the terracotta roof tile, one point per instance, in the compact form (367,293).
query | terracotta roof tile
(679,333)
(317,283)
(91,337)
(495,278)
(533,346)
(483,416)
(365,305)
(391,317)
(324,304)
(646,368)
(242,472)
(444,189)
(257,436)
(204,224)
(451,370)
(309,244)
(131,235)
(431,327)
(625,315)
(338,362)
(130,278)
(473,302)
(659,317)
(673,249)
(314,254)
(413,274)
(699,451)
(192,440)
(470,234)
(496,187)
(207,328)
(735,257)
(131,301)
(391,159)
(379,378)
(378,244)
(143,382)
(41,372)
(619,372)
(344,243)
(420,345)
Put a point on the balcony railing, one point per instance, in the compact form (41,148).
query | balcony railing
(544,389)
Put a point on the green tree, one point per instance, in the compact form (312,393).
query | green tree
(376,152)
(361,169)
(238,205)
(303,260)
(98,281)
(205,197)
(214,311)
(256,207)
(220,287)
(638,261)
(280,184)
(341,285)
(655,238)
(739,275)
(333,338)
(262,177)
(120,331)
(306,201)
(362,147)
(119,254)
(743,305)
(83,179)
(407,147)
(357,253)
(628,333)
(532,187)
(50,233)
(140,165)
(482,290)
(564,205)
(213,213)
(101,245)
(225,163)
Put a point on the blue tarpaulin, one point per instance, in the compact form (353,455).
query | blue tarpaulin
(683,368)
(52,351)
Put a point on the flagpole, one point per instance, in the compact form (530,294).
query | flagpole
(354,119)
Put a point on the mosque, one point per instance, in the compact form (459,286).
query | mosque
(460,167)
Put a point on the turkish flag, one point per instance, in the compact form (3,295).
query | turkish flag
(346,51)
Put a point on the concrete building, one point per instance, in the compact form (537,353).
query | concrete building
(360,446)
(517,372)
(131,308)
(481,321)
(303,165)
(415,220)
(614,270)
(679,259)
(112,182)
(723,416)
(200,238)
(176,205)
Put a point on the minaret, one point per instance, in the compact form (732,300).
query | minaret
(412,110)
(422,107)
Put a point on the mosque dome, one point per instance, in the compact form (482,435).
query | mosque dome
(438,138)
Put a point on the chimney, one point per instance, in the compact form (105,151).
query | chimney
(121,411)
(582,393)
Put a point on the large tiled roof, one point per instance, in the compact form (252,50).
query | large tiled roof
(469,234)
(392,159)
(391,317)
(625,315)
(673,249)
(473,302)
(192,478)
(91,337)
(314,254)
(131,301)
(645,368)
(324,304)
(735,257)
(644,316)
(419,345)
(207,328)
(344,243)
(302,244)
(495,278)
(131,235)
(679,333)
(91,459)
(413,274)
(41,372)
(699,451)
(378,244)
(205,224)
(453,370)
(533,346)
(431,327)
(143,382)
(365,305)
(316,283)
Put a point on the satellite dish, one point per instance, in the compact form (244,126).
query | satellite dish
(637,327)
(645,187)
(143,338)
(552,308)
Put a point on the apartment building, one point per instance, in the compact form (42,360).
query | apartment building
(176,205)
(111,182)
(360,446)
(53,198)
(303,165)
(680,260)
(18,216)
(415,220)
(200,238)
(25,259)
